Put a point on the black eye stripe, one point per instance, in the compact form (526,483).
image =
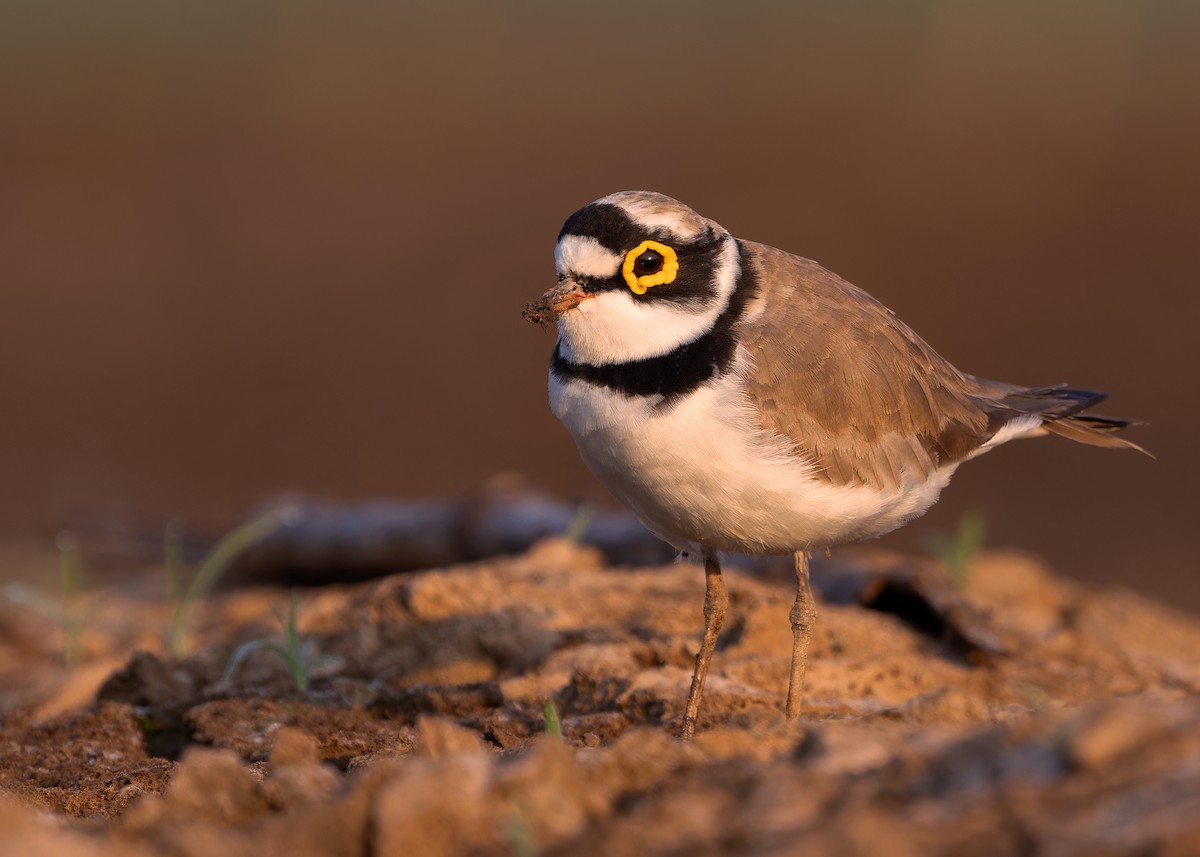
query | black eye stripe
(693,284)
(600,284)
(613,229)
(672,376)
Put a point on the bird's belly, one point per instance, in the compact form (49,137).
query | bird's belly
(700,473)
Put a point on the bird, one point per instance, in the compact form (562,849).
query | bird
(741,399)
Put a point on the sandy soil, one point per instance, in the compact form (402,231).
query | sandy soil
(1016,714)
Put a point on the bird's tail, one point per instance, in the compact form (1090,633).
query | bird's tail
(1061,409)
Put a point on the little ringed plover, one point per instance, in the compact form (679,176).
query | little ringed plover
(741,399)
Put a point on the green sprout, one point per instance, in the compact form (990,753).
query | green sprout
(299,655)
(957,550)
(520,833)
(211,569)
(173,566)
(70,574)
(1033,694)
(65,611)
(578,526)
(553,726)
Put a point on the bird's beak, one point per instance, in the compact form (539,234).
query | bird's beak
(546,309)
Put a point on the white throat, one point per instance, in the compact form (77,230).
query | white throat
(618,326)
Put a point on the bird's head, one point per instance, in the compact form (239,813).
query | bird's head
(638,275)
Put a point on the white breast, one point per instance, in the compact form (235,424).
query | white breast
(703,477)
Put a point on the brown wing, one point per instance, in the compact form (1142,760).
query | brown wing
(849,384)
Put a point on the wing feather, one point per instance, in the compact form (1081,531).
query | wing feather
(852,388)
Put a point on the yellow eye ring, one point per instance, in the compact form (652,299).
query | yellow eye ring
(666,274)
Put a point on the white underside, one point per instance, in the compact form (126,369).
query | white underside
(1030,426)
(703,477)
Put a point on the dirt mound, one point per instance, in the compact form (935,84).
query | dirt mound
(1016,714)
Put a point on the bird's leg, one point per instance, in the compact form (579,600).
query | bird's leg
(716,604)
(803,616)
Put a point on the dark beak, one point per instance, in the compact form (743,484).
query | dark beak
(546,309)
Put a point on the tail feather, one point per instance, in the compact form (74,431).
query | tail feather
(1096,431)
(1060,408)
(1053,402)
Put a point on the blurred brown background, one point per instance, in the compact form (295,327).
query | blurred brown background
(253,246)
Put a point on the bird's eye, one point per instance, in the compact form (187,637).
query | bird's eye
(649,264)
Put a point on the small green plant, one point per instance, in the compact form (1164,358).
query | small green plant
(957,549)
(211,568)
(70,573)
(1033,694)
(578,526)
(553,726)
(299,655)
(66,611)
(173,566)
(520,833)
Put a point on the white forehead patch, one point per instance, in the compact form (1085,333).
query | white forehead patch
(659,213)
(585,257)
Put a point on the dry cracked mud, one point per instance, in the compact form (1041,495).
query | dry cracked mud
(1015,714)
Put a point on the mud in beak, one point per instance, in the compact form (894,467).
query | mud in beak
(546,309)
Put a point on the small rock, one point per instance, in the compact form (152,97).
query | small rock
(1113,732)
(438,596)
(556,797)
(294,747)
(941,705)
(757,733)
(300,785)
(640,759)
(297,776)
(436,807)
(215,785)
(146,682)
(438,738)
(559,553)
